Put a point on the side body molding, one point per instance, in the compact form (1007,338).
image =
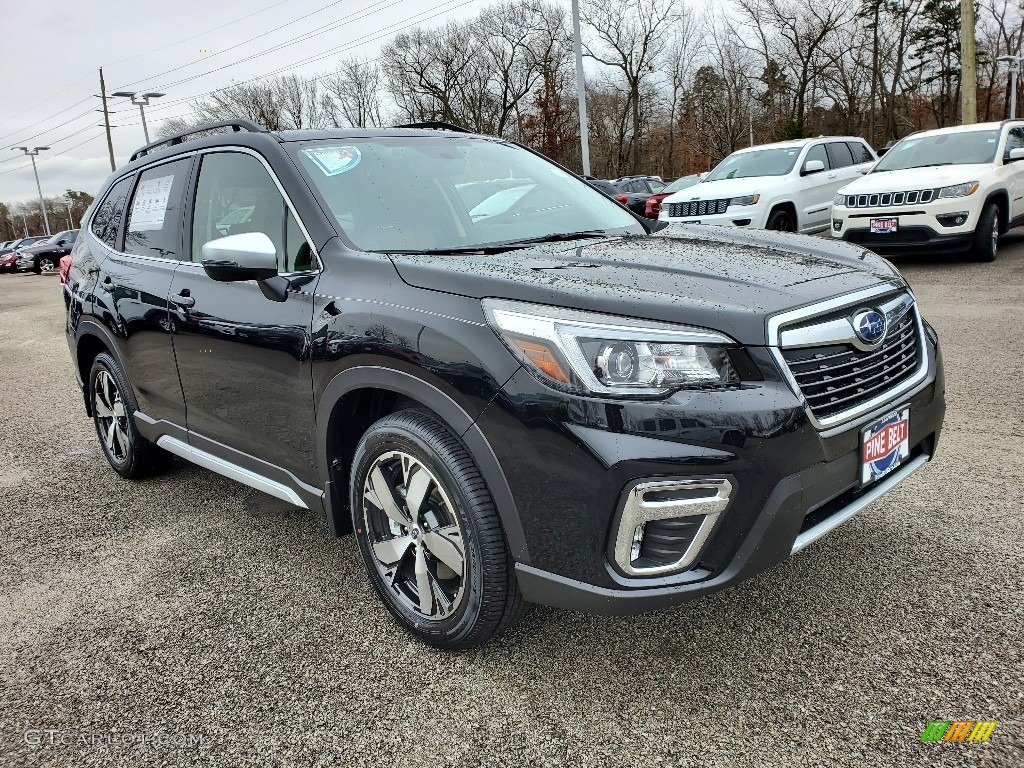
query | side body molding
(454,416)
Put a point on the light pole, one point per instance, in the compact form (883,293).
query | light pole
(1013,65)
(71,221)
(142,99)
(581,89)
(42,203)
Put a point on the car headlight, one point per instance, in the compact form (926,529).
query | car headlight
(602,354)
(959,190)
(839,200)
(745,200)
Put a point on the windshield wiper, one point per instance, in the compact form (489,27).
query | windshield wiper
(556,237)
(511,245)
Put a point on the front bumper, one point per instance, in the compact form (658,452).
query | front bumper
(567,461)
(920,228)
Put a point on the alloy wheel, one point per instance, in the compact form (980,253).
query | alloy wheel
(414,536)
(46,265)
(111,418)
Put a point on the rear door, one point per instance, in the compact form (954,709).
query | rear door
(140,256)
(244,359)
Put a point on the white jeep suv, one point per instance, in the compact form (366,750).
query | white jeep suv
(788,186)
(951,190)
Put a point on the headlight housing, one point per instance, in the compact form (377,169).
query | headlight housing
(839,199)
(586,352)
(959,190)
(745,200)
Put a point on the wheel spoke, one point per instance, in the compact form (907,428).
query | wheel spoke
(417,491)
(121,438)
(102,409)
(119,408)
(111,434)
(446,545)
(385,499)
(423,590)
(391,551)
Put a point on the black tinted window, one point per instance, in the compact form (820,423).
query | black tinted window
(861,153)
(108,214)
(839,154)
(154,216)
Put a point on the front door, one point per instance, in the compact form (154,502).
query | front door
(816,192)
(244,359)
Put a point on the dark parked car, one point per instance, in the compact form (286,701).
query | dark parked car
(653,205)
(9,256)
(559,402)
(635,190)
(607,187)
(45,256)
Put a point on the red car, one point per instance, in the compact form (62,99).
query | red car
(653,207)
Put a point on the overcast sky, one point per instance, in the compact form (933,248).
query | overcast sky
(53,49)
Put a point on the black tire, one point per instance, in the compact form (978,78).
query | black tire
(488,600)
(781,220)
(128,453)
(986,234)
(35,266)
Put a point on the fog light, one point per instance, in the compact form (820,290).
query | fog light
(638,540)
(837,225)
(953,219)
(741,222)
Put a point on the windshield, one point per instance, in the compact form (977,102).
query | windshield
(436,193)
(759,162)
(683,183)
(959,148)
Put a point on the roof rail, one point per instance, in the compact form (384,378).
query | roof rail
(435,126)
(238,124)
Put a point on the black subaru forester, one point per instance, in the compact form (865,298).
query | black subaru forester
(508,386)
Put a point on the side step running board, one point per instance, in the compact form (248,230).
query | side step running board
(235,472)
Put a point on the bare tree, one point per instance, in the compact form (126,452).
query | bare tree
(355,88)
(631,39)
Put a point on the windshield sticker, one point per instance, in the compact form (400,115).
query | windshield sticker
(333,160)
(150,204)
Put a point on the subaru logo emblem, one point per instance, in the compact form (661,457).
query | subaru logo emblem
(869,325)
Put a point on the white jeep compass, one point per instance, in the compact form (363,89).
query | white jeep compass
(951,190)
(786,186)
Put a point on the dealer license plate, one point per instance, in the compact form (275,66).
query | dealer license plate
(884,226)
(884,446)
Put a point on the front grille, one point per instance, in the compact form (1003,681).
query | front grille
(697,208)
(889,199)
(910,236)
(839,377)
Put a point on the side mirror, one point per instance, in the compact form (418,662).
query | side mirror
(62,243)
(813,166)
(248,256)
(1016,154)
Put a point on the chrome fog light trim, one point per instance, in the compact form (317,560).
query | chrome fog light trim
(663,500)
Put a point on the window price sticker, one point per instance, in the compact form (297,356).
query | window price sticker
(150,206)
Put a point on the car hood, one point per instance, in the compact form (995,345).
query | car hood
(716,190)
(911,179)
(717,278)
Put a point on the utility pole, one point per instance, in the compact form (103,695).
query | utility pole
(968,65)
(106,121)
(750,113)
(581,88)
(24,223)
(42,203)
(71,217)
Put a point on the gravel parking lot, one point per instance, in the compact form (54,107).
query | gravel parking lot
(222,627)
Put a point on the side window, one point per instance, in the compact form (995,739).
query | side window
(108,214)
(817,152)
(839,154)
(861,153)
(235,194)
(154,216)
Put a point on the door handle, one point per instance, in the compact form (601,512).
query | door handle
(183,299)
(833,175)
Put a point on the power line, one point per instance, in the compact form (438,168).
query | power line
(230,48)
(37,122)
(57,154)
